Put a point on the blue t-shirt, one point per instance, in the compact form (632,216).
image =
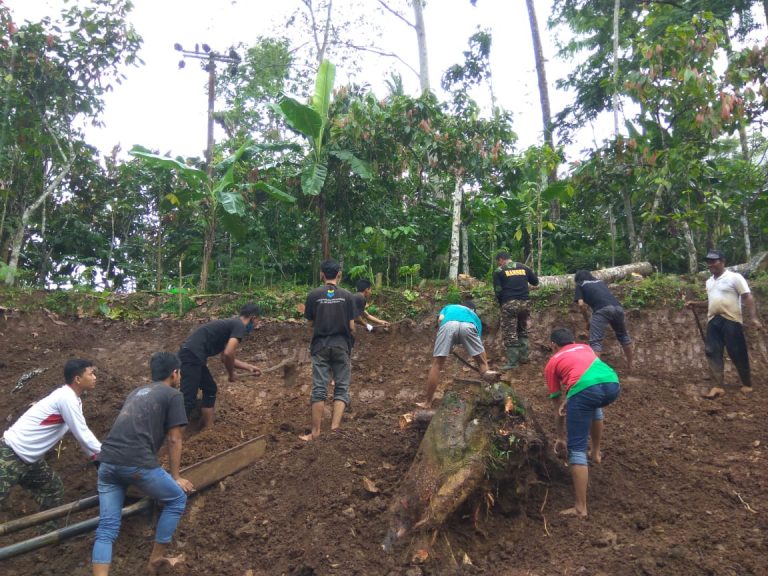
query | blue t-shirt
(459,313)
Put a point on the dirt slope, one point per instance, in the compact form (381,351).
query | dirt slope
(683,488)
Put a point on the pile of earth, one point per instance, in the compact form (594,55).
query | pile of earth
(683,488)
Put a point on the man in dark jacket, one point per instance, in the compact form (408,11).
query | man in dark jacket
(510,284)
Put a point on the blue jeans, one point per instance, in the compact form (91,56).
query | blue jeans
(582,408)
(155,483)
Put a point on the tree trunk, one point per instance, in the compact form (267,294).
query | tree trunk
(546,111)
(464,249)
(421,37)
(325,242)
(456,458)
(210,234)
(453,269)
(18,238)
(690,246)
(541,74)
(607,275)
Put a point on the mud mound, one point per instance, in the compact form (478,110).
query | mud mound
(683,488)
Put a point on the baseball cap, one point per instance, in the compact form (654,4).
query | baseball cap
(715,255)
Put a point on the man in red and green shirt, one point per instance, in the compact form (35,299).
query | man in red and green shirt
(580,385)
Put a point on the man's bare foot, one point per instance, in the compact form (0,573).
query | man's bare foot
(713,393)
(573,512)
(424,405)
(747,389)
(171,562)
(307,437)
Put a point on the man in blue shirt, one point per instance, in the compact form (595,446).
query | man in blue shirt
(458,324)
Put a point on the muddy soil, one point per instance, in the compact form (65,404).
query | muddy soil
(683,488)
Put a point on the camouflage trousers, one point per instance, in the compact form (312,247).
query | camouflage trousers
(514,321)
(39,478)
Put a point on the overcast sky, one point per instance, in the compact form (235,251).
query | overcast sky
(164,108)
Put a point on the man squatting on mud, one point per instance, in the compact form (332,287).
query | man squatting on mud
(22,451)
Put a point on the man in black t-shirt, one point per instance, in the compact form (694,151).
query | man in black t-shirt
(331,311)
(606,310)
(216,337)
(510,284)
(362,316)
(150,415)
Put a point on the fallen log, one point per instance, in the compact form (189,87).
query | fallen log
(607,275)
(480,434)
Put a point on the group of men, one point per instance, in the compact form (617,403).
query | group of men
(580,385)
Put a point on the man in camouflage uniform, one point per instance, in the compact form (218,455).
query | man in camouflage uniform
(510,284)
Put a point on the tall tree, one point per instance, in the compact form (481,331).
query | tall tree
(55,73)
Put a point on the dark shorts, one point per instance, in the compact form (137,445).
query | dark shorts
(196,376)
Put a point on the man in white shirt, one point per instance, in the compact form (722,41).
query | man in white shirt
(727,292)
(40,428)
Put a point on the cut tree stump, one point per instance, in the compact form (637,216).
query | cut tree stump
(480,434)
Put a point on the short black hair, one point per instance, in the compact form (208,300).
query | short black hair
(503,255)
(469,303)
(249,310)
(363,284)
(162,365)
(562,336)
(330,269)
(74,368)
(583,276)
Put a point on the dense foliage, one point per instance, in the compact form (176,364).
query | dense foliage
(378,180)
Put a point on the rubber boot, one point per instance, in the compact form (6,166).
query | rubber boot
(523,350)
(512,355)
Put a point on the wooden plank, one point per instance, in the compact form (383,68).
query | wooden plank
(211,470)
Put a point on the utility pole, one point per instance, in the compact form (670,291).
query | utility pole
(211,58)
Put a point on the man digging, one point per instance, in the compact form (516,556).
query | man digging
(457,324)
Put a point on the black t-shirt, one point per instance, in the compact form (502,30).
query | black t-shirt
(510,282)
(211,338)
(330,308)
(142,424)
(596,294)
(360,302)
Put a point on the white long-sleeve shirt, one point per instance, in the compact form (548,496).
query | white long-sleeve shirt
(46,422)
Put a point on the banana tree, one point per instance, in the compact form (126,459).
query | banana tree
(219,198)
(312,121)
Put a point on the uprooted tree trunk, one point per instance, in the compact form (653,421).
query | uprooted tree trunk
(480,435)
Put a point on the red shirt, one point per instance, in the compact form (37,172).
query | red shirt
(576,367)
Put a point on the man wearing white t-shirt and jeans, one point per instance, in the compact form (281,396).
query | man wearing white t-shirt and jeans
(23,448)
(727,291)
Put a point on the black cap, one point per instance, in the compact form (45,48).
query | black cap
(715,255)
